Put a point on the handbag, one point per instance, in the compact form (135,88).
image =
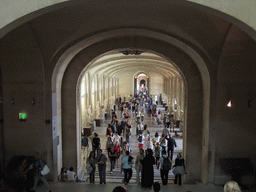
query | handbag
(45,170)
(89,168)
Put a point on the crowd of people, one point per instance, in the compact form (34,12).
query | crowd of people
(153,149)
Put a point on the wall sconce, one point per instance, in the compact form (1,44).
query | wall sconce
(47,121)
(33,102)
(249,103)
(229,104)
(13,101)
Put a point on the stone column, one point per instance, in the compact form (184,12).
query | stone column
(117,87)
(103,88)
(113,87)
(135,85)
(148,86)
(97,87)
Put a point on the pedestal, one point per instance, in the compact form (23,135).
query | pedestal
(97,122)
(87,131)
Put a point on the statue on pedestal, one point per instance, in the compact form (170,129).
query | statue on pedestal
(89,115)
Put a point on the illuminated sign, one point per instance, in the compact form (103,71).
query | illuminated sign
(22,116)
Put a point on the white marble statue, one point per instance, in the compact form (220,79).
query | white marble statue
(98,110)
(89,115)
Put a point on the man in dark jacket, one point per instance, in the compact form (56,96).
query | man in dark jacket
(123,125)
(171,144)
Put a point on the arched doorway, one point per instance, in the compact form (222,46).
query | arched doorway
(141,83)
(193,148)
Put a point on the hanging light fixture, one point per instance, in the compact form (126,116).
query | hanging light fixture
(131,52)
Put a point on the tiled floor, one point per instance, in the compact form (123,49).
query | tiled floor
(116,178)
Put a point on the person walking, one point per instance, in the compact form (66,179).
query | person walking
(123,125)
(149,144)
(91,160)
(138,165)
(109,144)
(118,152)
(96,143)
(165,131)
(38,168)
(179,168)
(163,142)
(142,115)
(171,144)
(146,131)
(141,140)
(157,137)
(158,152)
(159,117)
(127,167)
(147,177)
(127,133)
(138,115)
(112,155)
(101,161)
(165,165)
(116,138)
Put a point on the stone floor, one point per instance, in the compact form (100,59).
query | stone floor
(85,187)
(115,179)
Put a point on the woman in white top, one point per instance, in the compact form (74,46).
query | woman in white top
(157,137)
(159,117)
(116,138)
(149,144)
(146,132)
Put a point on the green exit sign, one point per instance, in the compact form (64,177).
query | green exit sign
(22,116)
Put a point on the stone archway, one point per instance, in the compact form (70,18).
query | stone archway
(198,91)
(138,81)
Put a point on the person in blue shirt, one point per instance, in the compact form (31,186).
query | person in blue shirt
(127,162)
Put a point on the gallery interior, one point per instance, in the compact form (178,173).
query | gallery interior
(64,64)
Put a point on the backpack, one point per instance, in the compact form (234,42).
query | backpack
(85,142)
(167,165)
(130,160)
(140,138)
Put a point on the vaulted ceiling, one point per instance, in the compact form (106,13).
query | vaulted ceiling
(56,30)
(116,64)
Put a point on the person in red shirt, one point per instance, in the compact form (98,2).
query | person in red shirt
(117,149)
